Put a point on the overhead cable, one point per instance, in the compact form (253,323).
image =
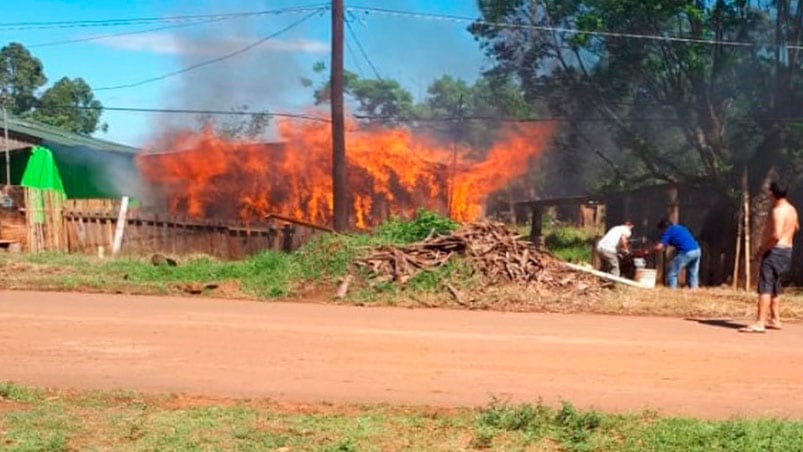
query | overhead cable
(6,26)
(213,60)
(126,33)
(362,49)
(306,117)
(577,31)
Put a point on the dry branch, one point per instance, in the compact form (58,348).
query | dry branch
(493,251)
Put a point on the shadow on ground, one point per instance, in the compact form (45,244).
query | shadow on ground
(722,323)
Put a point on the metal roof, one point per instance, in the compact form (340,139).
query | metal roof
(57,136)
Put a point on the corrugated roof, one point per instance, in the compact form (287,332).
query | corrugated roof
(56,135)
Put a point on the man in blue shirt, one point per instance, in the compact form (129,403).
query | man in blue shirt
(687,253)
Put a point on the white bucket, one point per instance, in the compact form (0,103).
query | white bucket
(646,277)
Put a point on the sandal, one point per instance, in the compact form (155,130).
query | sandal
(752,329)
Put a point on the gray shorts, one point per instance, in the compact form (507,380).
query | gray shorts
(775,263)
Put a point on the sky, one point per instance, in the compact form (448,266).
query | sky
(412,50)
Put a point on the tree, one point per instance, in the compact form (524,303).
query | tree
(21,75)
(70,105)
(675,110)
(378,100)
(472,115)
(236,128)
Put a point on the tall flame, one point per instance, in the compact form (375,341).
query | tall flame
(390,171)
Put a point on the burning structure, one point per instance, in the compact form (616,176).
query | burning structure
(392,172)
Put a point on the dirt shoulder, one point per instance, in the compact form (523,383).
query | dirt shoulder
(309,353)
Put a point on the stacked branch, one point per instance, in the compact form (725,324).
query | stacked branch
(491,250)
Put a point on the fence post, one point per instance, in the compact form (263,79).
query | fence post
(118,232)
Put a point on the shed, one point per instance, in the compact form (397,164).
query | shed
(90,167)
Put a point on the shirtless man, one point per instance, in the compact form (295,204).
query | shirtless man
(776,260)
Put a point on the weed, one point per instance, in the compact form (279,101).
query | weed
(346,445)
(17,393)
(425,223)
(110,420)
(483,437)
(46,427)
(522,418)
(570,243)
(577,428)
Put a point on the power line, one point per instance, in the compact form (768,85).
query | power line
(127,33)
(306,117)
(413,120)
(362,49)
(213,60)
(149,20)
(323,119)
(353,55)
(464,19)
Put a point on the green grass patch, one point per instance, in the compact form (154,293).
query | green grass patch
(321,263)
(425,223)
(130,421)
(262,276)
(17,393)
(571,244)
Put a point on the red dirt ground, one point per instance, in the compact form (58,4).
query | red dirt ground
(308,353)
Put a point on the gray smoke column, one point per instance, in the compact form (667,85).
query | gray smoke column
(265,77)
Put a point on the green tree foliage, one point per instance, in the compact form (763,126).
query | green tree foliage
(21,75)
(654,109)
(472,115)
(237,127)
(70,105)
(378,100)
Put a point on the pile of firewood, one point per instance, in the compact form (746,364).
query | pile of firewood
(492,250)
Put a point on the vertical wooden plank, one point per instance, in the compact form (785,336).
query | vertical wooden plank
(117,239)
(108,222)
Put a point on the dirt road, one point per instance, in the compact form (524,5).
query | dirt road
(310,353)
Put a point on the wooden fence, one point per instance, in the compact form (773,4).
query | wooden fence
(13,225)
(41,221)
(90,225)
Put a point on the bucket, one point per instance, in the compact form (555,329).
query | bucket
(646,277)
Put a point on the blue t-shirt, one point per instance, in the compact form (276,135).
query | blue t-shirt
(679,237)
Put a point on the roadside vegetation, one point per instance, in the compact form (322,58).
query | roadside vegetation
(37,419)
(571,244)
(315,272)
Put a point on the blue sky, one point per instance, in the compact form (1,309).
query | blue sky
(411,50)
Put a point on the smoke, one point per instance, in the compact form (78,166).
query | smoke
(266,77)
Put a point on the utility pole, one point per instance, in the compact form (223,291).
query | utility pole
(453,172)
(339,176)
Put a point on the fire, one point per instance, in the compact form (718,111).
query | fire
(391,172)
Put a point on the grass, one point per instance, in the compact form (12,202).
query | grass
(129,421)
(263,276)
(314,273)
(569,243)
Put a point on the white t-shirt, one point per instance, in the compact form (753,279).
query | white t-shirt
(610,242)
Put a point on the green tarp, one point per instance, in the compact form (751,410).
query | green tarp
(42,172)
(42,175)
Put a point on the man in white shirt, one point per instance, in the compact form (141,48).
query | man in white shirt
(616,239)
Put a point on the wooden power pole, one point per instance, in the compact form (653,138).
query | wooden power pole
(339,182)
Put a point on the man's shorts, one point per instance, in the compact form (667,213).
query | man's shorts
(774,265)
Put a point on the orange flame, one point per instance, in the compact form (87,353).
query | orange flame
(391,172)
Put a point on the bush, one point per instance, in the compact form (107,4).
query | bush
(408,231)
